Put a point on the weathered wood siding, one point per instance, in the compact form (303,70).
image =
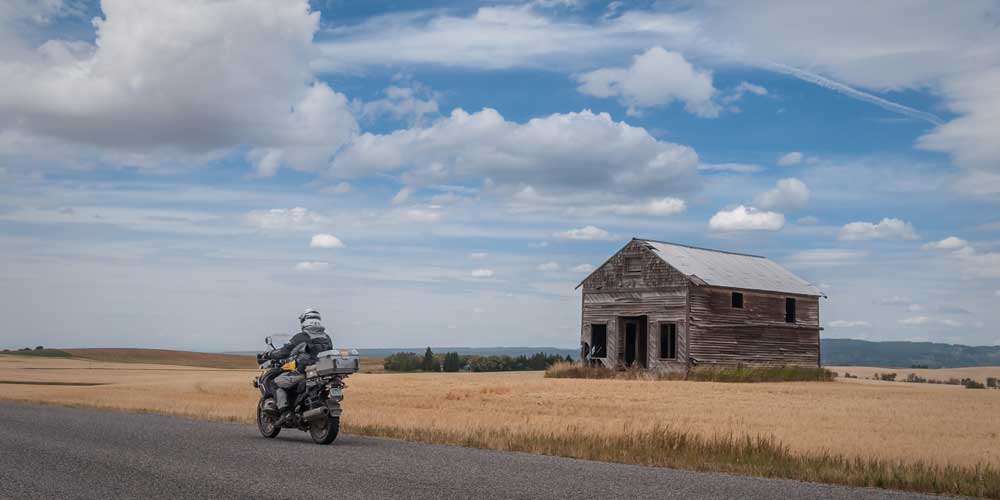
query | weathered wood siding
(755,334)
(658,292)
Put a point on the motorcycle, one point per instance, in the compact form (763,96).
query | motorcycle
(315,404)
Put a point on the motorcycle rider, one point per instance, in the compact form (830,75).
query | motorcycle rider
(314,336)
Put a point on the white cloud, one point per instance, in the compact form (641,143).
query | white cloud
(657,77)
(740,168)
(744,218)
(168,80)
(548,266)
(588,203)
(402,195)
(325,241)
(482,273)
(808,220)
(916,321)
(788,194)
(949,243)
(416,214)
(583,268)
(585,233)
(886,229)
(789,159)
(569,151)
(285,219)
(894,300)
(411,103)
(476,255)
(841,323)
(311,266)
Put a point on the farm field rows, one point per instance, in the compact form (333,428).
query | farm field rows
(943,425)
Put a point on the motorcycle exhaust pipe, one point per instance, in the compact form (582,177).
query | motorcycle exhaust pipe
(314,414)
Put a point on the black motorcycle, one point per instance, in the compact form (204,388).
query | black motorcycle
(315,403)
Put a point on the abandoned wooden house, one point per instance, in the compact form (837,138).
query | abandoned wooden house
(668,307)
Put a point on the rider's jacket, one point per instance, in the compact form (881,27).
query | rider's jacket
(316,340)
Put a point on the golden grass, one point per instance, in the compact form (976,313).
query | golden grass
(897,425)
(979,373)
(165,357)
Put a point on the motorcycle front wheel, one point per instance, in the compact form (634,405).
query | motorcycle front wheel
(265,422)
(324,430)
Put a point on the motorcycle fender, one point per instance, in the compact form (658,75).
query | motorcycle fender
(333,408)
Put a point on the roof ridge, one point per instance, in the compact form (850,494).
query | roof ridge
(701,248)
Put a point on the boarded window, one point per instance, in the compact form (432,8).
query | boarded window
(668,340)
(737,300)
(633,265)
(789,310)
(599,341)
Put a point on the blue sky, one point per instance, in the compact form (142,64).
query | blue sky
(193,174)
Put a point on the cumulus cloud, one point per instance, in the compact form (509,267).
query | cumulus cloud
(886,229)
(311,266)
(743,218)
(559,151)
(409,103)
(790,159)
(402,195)
(548,266)
(587,203)
(949,243)
(583,268)
(325,240)
(656,77)
(482,273)
(585,233)
(169,80)
(842,323)
(285,219)
(788,194)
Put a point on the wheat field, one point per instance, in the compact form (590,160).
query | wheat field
(935,424)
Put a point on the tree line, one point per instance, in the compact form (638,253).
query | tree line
(455,362)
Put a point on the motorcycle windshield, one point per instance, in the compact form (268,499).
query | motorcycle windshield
(278,340)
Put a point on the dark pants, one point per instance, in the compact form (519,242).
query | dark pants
(285,382)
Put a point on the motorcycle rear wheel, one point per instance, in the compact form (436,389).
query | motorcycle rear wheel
(324,430)
(265,422)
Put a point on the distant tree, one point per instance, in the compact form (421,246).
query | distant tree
(569,359)
(39,347)
(429,363)
(402,362)
(452,362)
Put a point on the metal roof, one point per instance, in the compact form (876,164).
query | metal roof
(731,270)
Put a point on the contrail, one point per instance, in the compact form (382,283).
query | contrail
(855,93)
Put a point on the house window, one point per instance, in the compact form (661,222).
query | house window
(633,265)
(668,340)
(599,341)
(737,300)
(789,310)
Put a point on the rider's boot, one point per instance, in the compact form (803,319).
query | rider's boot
(286,416)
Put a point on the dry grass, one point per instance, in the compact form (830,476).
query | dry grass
(737,374)
(907,429)
(166,357)
(980,373)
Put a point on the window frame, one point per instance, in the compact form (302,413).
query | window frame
(671,332)
(637,261)
(791,316)
(732,300)
(593,344)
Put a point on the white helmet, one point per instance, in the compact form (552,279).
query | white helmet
(309,314)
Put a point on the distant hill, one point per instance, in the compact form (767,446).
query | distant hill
(840,352)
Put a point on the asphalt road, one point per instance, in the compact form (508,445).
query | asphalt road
(65,453)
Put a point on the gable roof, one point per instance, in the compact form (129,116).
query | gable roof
(730,269)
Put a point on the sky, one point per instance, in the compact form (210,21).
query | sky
(193,174)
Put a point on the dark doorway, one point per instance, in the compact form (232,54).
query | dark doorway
(636,341)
